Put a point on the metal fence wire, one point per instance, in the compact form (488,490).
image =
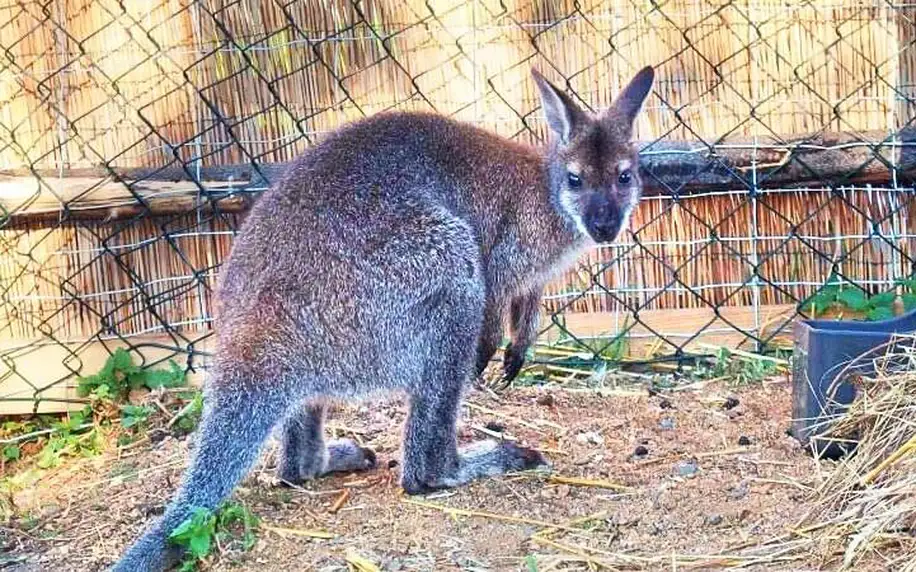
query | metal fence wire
(134,136)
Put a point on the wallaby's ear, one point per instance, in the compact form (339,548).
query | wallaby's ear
(630,100)
(563,115)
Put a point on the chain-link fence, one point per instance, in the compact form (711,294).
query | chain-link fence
(133,137)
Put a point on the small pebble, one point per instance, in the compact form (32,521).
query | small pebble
(546,400)
(591,438)
(731,403)
(641,452)
(495,427)
(666,424)
(744,441)
(740,491)
(665,404)
(714,520)
(157,435)
(687,468)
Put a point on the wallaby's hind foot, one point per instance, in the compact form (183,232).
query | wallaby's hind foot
(432,459)
(344,455)
(479,460)
(306,457)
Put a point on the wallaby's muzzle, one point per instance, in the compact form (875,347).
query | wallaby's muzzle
(603,218)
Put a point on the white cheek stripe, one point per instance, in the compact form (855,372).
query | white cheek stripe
(625,223)
(571,211)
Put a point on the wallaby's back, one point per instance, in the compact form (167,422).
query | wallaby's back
(382,199)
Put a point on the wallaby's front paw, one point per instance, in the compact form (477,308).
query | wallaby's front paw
(513,360)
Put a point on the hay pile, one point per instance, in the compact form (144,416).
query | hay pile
(864,512)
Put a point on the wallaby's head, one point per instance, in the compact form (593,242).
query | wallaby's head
(594,169)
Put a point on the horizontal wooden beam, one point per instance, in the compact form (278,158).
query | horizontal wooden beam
(668,167)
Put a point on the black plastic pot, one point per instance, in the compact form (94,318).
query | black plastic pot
(823,349)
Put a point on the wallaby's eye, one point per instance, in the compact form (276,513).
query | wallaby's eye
(575,181)
(624,178)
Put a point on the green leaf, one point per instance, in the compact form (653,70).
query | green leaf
(531,563)
(199,545)
(909,301)
(819,303)
(882,299)
(830,291)
(121,360)
(49,456)
(853,298)
(880,313)
(195,533)
(133,415)
(172,377)
(11,453)
(182,531)
(137,379)
(908,283)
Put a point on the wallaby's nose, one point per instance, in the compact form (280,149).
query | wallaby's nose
(605,228)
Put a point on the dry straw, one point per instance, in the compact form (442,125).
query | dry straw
(865,511)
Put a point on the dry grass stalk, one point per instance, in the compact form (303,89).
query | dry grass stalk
(574,481)
(865,511)
(341,500)
(300,532)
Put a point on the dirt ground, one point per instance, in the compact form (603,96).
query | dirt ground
(696,490)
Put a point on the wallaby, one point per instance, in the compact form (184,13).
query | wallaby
(385,259)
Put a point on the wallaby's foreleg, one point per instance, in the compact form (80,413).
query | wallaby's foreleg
(305,455)
(432,459)
(524,315)
(235,425)
(491,335)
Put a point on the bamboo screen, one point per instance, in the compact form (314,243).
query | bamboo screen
(133,135)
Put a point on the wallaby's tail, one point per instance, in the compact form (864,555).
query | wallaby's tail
(236,423)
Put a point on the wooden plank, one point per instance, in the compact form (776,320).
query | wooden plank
(680,327)
(86,198)
(687,167)
(44,364)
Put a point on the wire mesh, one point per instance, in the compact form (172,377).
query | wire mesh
(134,136)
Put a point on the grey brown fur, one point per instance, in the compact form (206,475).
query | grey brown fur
(386,259)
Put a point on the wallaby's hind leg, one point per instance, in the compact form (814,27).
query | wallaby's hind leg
(305,455)
(431,456)
(236,423)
